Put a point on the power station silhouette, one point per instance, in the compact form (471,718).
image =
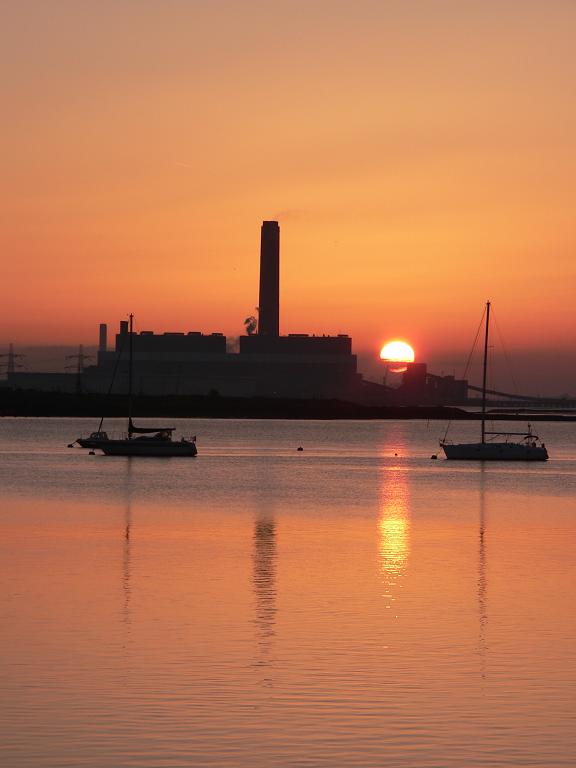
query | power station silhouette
(266,363)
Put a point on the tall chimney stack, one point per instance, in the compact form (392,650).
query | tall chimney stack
(103,338)
(269,301)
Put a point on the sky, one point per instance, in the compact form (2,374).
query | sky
(419,156)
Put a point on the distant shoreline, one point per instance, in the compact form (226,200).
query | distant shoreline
(28,403)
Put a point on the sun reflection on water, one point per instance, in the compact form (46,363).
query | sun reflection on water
(393,531)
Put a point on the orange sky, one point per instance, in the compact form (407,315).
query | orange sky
(420,158)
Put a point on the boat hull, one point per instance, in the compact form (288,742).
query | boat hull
(152,448)
(93,440)
(495,452)
(86,442)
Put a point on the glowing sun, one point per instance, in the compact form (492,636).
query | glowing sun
(397,352)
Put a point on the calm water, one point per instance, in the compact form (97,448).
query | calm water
(355,604)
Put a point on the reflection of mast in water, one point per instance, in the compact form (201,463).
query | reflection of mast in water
(126,565)
(264,582)
(482,580)
(394,530)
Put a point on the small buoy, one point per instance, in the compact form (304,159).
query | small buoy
(433,456)
(300,448)
(91,453)
(395,454)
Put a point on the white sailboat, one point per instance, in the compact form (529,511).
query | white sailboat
(139,441)
(496,446)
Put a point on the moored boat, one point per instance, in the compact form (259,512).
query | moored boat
(530,448)
(139,441)
(150,442)
(511,448)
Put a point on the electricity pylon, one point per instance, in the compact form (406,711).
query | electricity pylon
(81,357)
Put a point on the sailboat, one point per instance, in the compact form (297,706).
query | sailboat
(139,441)
(511,446)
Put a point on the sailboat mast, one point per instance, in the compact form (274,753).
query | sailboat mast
(130,366)
(484,372)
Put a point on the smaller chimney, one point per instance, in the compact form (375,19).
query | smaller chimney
(103,338)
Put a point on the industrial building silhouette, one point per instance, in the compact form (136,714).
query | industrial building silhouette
(267,364)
